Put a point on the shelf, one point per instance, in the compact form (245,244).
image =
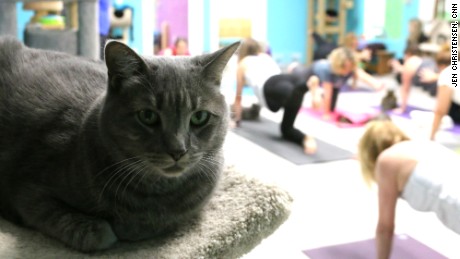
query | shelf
(331,29)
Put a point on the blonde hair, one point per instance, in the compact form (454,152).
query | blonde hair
(249,47)
(339,56)
(350,40)
(443,56)
(379,135)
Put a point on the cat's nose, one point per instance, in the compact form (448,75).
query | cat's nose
(177,154)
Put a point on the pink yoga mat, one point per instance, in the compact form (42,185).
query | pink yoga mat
(357,119)
(404,247)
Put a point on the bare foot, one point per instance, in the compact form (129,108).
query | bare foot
(309,145)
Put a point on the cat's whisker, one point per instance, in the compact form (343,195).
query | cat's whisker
(128,173)
(201,168)
(212,161)
(116,175)
(209,175)
(143,174)
(140,171)
(115,164)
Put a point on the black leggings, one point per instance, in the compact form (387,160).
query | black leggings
(286,91)
(454,112)
(322,47)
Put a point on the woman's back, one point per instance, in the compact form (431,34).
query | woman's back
(259,68)
(434,183)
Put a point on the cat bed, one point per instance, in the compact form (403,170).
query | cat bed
(240,215)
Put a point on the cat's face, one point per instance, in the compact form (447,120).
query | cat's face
(165,114)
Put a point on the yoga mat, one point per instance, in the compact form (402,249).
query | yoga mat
(358,119)
(455,129)
(347,88)
(404,246)
(266,134)
(406,114)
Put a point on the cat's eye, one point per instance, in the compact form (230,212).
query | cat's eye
(148,117)
(200,118)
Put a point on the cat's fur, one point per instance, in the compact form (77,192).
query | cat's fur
(78,162)
(389,101)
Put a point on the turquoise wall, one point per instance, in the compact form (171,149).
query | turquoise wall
(23,18)
(287,29)
(354,18)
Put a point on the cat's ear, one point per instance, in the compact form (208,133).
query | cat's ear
(122,62)
(214,63)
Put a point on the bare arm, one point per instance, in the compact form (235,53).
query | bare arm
(368,79)
(387,169)
(397,67)
(239,91)
(407,74)
(443,102)
(327,86)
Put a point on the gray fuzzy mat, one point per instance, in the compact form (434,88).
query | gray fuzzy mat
(240,215)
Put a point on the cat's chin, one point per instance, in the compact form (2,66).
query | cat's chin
(173,171)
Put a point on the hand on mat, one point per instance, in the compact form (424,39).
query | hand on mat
(399,110)
(309,145)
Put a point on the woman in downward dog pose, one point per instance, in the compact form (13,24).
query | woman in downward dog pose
(409,169)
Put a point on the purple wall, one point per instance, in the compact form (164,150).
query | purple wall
(175,12)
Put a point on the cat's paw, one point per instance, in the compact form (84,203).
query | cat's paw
(99,236)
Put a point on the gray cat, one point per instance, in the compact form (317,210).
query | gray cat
(92,154)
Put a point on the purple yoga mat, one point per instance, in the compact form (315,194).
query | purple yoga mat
(405,114)
(455,129)
(404,246)
(347,88)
